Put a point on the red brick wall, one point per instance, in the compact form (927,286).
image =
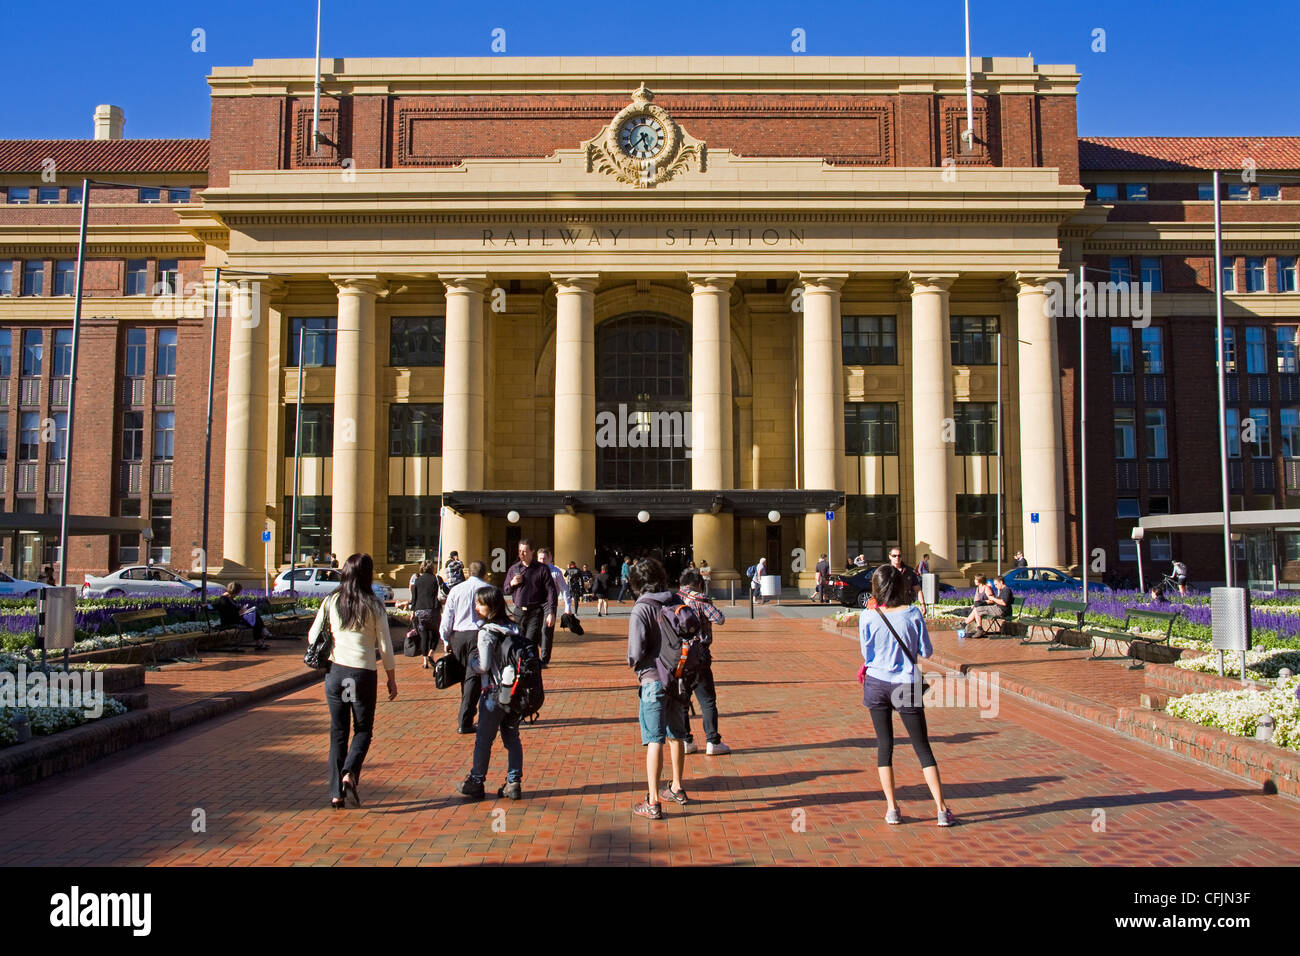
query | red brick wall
(93,475)
(1058,132)
(247,133)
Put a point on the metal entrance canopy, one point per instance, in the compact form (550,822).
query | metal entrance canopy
(660,504)
(1211,522)
(13,523)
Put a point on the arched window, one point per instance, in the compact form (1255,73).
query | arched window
(643,402)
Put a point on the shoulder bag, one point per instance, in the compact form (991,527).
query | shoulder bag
(917,677)
(318,654)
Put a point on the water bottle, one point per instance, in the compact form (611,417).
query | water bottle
(508,674)
(961,633)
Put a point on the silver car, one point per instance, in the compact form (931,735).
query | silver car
(140,580)
(318,582)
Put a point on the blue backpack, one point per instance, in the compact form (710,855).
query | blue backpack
(749,571)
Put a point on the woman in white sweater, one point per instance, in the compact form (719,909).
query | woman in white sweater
(360,627)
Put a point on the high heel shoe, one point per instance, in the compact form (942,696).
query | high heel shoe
(350,790)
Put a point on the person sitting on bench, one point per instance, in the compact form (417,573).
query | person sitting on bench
(231,616)
(997,602)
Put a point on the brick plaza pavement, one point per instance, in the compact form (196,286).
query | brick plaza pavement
(800,788)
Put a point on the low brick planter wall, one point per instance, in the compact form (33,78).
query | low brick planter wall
(1175,682)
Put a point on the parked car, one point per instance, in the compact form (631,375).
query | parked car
(852,589)
(16,587)
(1035,580)
(139,580)
(317,582)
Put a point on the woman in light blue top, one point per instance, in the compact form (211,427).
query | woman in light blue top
(894,638)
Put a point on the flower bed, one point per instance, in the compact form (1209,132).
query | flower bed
(1259,663)
(50,720)
(1238,712)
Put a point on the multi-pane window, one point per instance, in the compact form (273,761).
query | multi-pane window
(150,194)
(62,353)
(1232,419)
(415,431)
(869,339)
(1205,192)
(976,527)
(870,428)
(4,437)
(33,352)
(313,525)
(1255,274)
(1121,350)
(178,194)
(164,436)
(169,277)
(1228,271)
(1161,547)
(642,355)
(976,428)
(166,364)
(6,278)
(1239,191)
(74,195)
(1157,438)
(1286,274)
(33,278)
(1125,433)
(1121,269)
(60,451)
(160,519)
(65,277)
(1289,433)
(1256,360)
(319,337)
(29,436)
(1263,447)
(1229,349)
(132,436)
(47,195)
(1270,191)
(1107,192)
(6,349)
(128,545)
(871,525)
(974,340)
(412,525)
(417,340)
(1288,343)
(136,353)
(1153,351)
(1136,192)
(317,430)
(1153,274)
(137,276)
(20,195)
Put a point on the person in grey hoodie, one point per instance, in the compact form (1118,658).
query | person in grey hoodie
(494,624)
(662,715)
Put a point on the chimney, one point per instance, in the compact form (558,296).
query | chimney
(109,121)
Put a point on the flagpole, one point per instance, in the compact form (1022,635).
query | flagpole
(315,121)
(970,100)
(1083,436)
(72,391)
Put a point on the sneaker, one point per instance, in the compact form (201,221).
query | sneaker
(946,819)
(692,747)
(718,749)
(468,788)
(894,817)
(677,796)
(647,809)
(511,791)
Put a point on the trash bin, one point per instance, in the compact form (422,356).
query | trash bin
(770,585)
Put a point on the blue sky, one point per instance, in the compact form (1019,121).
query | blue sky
(1170,68)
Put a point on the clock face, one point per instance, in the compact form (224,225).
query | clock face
(641,137)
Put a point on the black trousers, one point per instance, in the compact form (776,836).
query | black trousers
(463,644)
(706,693)
(350,693)
(532,625)
(426,626)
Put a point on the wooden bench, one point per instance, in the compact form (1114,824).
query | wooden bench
(1060,616)
(150,618)
(1161,622)
(280,614)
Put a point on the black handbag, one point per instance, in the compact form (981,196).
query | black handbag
(411,646)
(318,655)
(448,671)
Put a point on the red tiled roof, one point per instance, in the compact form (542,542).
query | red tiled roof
(105,155)
(1188,152)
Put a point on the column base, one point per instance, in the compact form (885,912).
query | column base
(713,540)
(575,540)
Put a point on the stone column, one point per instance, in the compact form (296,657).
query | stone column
(244,491)
(463,411)
(352,512)
(933,431)
(823,412)
(713,535)
(575,411)
(1042,439)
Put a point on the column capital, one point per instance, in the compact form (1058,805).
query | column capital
(1035,283)
(473,284)
(369,284)
(569,283)
(923,282)
(711,282)
(823,281)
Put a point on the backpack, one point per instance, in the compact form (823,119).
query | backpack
(455,574)
(1180,569)
(683,641)
(517,656)
(749,571)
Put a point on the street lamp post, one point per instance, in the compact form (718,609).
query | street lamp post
(1229,574)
